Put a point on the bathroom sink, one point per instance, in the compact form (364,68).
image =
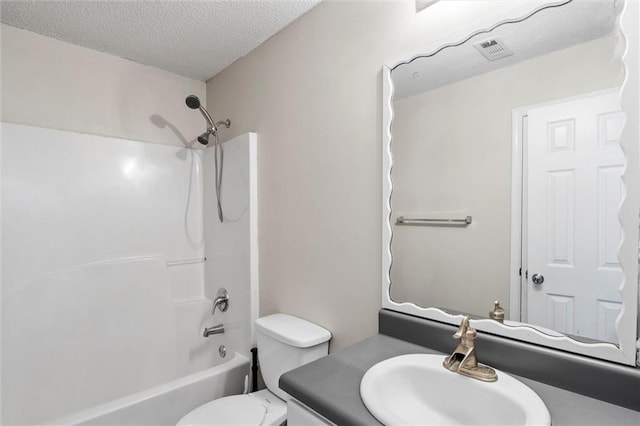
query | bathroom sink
(416,390)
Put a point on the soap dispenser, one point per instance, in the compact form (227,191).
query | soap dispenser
(497,313)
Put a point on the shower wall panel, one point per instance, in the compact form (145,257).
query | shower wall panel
(232,246)
(71,199)
(102,248)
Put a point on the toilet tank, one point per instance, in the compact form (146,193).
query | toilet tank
(286,342)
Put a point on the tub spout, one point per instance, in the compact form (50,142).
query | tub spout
(216,329)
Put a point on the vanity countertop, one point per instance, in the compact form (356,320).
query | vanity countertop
(331,387)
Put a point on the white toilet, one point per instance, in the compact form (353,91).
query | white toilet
(284,343)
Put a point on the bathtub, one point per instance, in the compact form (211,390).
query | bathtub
(94,367)
(167,403)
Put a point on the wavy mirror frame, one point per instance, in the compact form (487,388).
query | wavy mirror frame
(626,325)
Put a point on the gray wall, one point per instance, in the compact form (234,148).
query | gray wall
(313,94)
(58,85)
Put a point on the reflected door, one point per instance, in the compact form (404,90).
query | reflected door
(574,189)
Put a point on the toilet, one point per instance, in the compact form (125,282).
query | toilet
(285,342)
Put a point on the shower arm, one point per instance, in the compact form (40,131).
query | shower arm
(226,123)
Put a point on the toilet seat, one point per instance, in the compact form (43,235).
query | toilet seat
(258,408)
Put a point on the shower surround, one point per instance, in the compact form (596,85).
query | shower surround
(105,287)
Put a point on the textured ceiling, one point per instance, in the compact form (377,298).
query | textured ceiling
(196,39)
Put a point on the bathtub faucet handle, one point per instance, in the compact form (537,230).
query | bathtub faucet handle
(221,301)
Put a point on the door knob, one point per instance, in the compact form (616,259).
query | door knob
(537,279)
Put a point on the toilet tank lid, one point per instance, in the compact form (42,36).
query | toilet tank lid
(292,330)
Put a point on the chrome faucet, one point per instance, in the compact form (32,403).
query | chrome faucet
(221,301)
(216,329)
(463,360)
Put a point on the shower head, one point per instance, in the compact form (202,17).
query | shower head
(193,102)
(204,138)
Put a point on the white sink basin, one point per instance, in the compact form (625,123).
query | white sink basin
(417,390)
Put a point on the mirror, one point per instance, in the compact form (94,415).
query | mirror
(511,173)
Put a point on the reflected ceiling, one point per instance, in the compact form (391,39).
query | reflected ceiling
(562,29)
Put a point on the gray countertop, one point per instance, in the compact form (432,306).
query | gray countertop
(331,387)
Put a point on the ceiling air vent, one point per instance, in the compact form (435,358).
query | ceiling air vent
(493,49)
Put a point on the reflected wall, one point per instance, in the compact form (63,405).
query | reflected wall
(452,149)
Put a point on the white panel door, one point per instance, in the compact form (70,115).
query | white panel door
(574,189)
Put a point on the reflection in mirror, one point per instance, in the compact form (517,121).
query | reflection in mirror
(518,128)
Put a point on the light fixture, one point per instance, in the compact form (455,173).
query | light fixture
(423,4)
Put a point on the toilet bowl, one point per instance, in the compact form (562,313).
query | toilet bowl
(285,342)
(257,408)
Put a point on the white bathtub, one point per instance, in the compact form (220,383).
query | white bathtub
(167,403)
